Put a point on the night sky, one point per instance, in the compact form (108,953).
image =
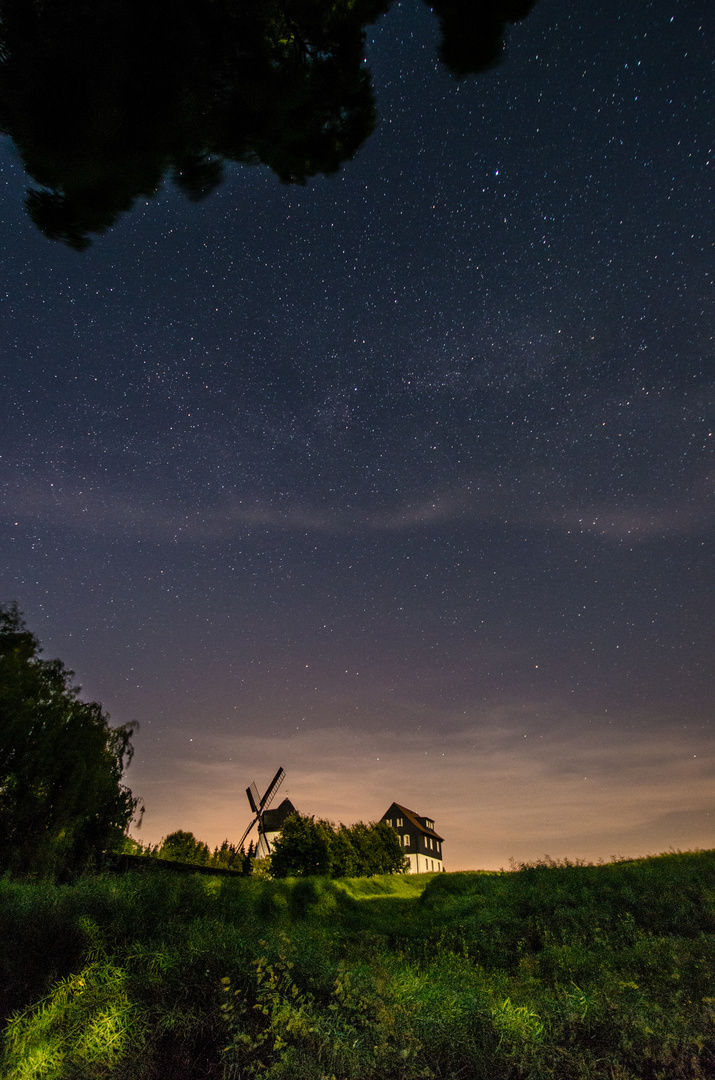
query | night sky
(402,479)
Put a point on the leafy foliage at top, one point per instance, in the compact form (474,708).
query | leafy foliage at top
(62,802)
(104,98)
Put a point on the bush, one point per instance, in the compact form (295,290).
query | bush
(307,845)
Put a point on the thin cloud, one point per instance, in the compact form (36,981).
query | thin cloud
(93,506)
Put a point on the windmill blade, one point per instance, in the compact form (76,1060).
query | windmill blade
(252,796)
(243,838)
(272,789)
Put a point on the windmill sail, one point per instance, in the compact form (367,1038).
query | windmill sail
(253,797)
(272,789)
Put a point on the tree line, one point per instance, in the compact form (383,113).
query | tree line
(306,846)
(64,805)
(183,847)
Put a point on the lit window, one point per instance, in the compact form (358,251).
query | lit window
(406,839)
(388,821)
(398,823)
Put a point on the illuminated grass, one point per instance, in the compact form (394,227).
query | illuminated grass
(402,886)
(86,1023)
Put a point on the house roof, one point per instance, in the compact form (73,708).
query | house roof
(273,820)
(418,822)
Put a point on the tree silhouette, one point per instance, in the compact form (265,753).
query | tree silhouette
(105,98)
(309,845)
(62,803)
(181,846)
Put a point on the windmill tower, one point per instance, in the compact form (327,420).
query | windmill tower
(269,822)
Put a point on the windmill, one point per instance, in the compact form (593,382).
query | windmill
(260,804)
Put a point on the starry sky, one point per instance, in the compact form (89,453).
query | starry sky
(402,479)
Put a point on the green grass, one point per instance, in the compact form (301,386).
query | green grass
(549,973)
(401,886)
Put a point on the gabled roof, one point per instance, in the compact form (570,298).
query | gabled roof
(418,822)
(273,820)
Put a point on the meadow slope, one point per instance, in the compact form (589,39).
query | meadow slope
(551,972)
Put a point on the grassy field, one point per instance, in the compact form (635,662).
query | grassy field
(552,971)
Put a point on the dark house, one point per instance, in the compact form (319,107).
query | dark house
(421,844)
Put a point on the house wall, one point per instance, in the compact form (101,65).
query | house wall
(265,843)
(421,864)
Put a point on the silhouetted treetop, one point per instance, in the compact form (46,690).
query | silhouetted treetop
(103,99)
